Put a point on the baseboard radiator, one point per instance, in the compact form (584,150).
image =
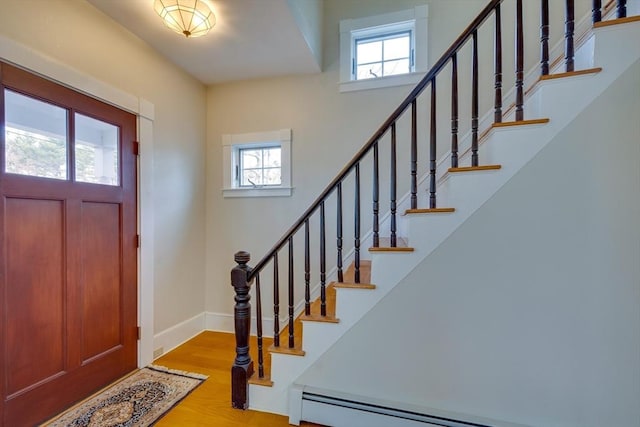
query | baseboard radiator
(340,412)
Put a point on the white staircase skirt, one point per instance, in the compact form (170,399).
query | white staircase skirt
(615,49)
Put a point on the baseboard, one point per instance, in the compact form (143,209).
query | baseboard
(172,337)
(223,322)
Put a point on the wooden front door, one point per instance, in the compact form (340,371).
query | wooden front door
(68,311)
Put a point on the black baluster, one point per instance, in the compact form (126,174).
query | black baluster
(432,148)
(276,301)
(621,9)
(519,63)
(414,156)
(292,343)
(356,262)
(339,232)
(596,11)
(376,196)
(544,37)
(454,111)
(568,36)
(474,101)
(259,328)
(393,186)
(323,264)
(497,115)
(307,270)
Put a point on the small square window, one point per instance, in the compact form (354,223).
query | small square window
(383,55)
(383,50)
(257,164)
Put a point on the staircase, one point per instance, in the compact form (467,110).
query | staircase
(494,153)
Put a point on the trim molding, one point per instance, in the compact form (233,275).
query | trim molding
(176,335)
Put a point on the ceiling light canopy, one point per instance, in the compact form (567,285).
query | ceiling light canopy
(193,18)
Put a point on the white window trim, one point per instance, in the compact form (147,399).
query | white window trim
(419,14)
(230,144)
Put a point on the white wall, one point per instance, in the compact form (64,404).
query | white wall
(79,36)
(530,311)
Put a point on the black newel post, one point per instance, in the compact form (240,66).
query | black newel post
(242,367)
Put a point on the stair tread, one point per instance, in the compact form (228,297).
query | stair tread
(571,73)
(475,168)
(319,318)
(351,285)
(284,349)
(616,21)
(391,249)
(266,381)
(520,123)
(429,210)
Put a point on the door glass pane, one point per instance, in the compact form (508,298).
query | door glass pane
(96,151)
(35,137)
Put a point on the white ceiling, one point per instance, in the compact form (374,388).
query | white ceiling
(251,39)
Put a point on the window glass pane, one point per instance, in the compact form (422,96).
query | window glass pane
(369,71)
(251,158)
(260,166)
(35,137)
(96,151)
(251,177)
(396,48)
(272,157)
(369,52)
(396,67)
(272,176)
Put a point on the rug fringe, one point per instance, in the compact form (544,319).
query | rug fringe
(194,375)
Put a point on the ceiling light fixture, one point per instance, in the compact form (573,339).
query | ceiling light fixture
(193,18)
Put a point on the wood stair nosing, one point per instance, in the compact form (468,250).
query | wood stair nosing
(520,123)
(265,381)
(349,285)
(429,211)
(474,168)
(384,245)
(567,74)
(616,21)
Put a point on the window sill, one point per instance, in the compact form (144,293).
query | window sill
(257,192)
(381,82)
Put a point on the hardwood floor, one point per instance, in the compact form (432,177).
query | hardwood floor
(212,353)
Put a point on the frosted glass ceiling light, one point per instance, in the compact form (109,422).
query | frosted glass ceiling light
(193,18)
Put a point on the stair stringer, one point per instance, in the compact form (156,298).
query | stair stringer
(512,147)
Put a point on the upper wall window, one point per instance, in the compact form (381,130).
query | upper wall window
(257,164)
(384,50)
(388,52)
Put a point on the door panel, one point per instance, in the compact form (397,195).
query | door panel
(101,279)
(68,317)
(35,274)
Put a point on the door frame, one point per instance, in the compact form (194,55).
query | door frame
(31,60)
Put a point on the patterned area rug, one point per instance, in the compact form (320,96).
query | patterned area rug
(136,401)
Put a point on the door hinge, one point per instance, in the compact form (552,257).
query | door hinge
(138,333)
(137,241)
(136,148)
